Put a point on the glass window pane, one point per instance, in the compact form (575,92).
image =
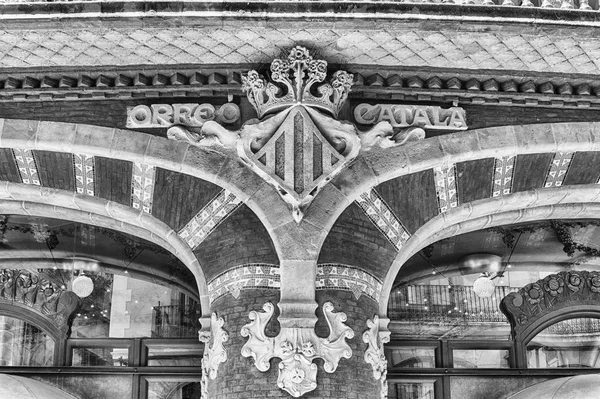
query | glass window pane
(23,344)
(481,358)
(173,388)
(569,343)
(108,357)
(411,390)
(411,357)
(171,355)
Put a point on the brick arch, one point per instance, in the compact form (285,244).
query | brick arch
(23,199)
(206,163)
(570,202)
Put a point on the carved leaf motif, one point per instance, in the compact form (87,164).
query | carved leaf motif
(335,346)
(214,352)
(297,375)
(374,355)
(259,346)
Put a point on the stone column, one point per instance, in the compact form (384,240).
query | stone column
(239,377)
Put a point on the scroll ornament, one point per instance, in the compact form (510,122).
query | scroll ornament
(297,348)
(214,352)
(374,355)
(298,145)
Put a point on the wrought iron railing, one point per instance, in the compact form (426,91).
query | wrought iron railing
(175,321)
(441,303)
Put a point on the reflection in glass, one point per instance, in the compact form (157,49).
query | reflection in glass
(411,390)
(480,358)
(410,357)
(569,343)
(23,344)
(108,357)
(171,355)
(173,389)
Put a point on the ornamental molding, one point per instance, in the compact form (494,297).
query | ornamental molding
(556,294)
(249,276)
(374,354)
(297,348)
(348,278)
(214,350)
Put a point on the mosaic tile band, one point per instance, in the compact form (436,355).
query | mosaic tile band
(27,166)
(142,187)
(341,277)
(83,165)
(445,187)
(209,217)
(503,175)
(383,217)
(558,169)
(250,276)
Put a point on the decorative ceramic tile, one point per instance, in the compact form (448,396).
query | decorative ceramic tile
(254,275)
(341,277)
(142,187)
(558,169)
(503,175)
(383,217)
(84,173)
(27,167)
(209,217)
(445,187)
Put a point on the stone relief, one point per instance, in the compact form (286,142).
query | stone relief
(214,350)
(553,293)
(298,145)
(40,294)
(297,348)
(374,355)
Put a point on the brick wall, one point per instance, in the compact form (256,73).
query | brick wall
(238,378)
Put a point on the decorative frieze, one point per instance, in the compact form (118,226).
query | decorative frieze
(142,186)
(297,348)
(192,115)
(401,116)
(250,276)
(375,355)
(383,218)
(445,187)
(348,278)
(209,217)
(83,166)
(214,350)
(558,169)
(504,168)
(27,166)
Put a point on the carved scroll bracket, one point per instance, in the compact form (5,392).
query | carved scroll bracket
(297,348)
(374,355)
(214,352)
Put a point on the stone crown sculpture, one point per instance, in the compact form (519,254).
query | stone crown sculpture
(297,74)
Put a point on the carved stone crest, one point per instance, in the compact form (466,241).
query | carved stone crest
(214,352)
(374,355)
(297,348)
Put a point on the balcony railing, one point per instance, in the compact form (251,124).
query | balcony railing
(175,321)
(439,303)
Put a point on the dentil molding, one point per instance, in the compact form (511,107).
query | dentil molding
(297,348)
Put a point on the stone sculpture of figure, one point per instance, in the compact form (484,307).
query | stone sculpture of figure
(7,284)
(49,297)
(26,288)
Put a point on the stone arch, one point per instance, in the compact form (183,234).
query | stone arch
(23,199)
(569,202)
(207,163)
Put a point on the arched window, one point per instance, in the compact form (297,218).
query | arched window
(24,344)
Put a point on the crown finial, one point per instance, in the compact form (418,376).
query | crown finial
(296,77)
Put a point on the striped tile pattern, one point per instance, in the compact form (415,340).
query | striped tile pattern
(383,217)
(503,175)
(142,187)
(558,169)
(445,187)
(83,166)
(209,217)
(27,166)
(341,277)
(244,277)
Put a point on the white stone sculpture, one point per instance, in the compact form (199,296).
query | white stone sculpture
(297,348)
(374,355)
(214,352)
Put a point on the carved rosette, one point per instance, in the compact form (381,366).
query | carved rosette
(214,352)
(297,348)
(374,355)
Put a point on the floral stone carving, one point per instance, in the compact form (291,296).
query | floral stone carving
(297,348)
(214,352)
(374,355)
(299,145)
(535,302)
